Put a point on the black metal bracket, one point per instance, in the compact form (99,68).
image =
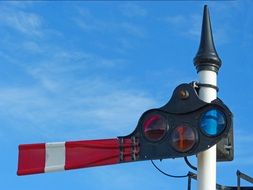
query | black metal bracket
(121,149)
(240,176)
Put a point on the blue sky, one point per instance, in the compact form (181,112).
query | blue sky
(88,70)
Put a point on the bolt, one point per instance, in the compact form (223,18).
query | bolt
(184,94)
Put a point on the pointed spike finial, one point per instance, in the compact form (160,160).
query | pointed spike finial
(207,57)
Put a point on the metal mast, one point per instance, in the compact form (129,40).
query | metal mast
(207,63)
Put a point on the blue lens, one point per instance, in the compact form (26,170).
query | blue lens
(213,122)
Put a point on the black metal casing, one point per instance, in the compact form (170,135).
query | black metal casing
(186,108)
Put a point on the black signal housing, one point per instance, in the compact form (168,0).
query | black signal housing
(174,130)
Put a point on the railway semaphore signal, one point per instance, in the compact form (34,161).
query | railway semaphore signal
(193,122)
(185,126)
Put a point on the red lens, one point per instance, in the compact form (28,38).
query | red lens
(183,138)
(155,127)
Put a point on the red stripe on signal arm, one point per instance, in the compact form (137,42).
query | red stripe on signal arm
(31,159)
(81,154)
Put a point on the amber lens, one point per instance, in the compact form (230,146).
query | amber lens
(183,138)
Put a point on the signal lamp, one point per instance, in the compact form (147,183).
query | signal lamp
(154,127)
(183,138)
(213,122)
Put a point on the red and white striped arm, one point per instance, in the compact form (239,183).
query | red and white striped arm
(49,157)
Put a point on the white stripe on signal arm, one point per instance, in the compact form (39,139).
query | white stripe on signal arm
(55,156)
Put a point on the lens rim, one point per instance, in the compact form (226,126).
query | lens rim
(195,132)
(203,114)
(144,119)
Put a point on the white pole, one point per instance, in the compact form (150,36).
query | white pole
(207,159)
(207,63)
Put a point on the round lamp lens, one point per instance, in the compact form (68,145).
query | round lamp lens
(213,122)
(155,127)
(183,138)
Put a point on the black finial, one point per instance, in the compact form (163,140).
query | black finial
(207,57)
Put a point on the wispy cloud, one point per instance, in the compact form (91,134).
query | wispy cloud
(64,88)
(222,25)
(133,29)
(89,22)
(61,63)
(32,46)
(90,105)
(189,26)
(24,22)
(66,91)
(125,35)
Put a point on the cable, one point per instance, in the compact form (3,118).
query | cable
(169,175)
(189,164)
